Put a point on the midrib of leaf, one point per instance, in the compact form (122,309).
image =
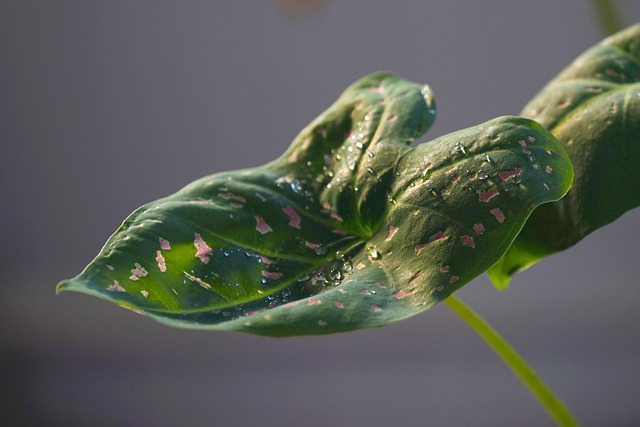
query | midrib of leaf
(266,251)
(274,290)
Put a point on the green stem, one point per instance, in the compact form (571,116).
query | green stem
(608,16)
(556,409)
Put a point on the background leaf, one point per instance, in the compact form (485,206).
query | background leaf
(593,108)
(350,228)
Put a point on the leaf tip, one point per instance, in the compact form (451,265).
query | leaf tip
(62,286)
(70,285)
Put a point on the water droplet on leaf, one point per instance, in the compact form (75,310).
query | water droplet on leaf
(347,266)
(321,250)
(303,278)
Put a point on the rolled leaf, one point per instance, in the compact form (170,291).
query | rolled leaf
(351,228)
(593,108)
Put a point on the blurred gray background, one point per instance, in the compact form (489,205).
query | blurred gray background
(106,105)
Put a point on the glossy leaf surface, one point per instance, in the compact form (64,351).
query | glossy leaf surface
(350,228)
(593,108)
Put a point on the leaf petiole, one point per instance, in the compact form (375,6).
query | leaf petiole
(554,406)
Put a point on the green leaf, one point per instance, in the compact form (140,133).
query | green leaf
(350,228)
(593,108)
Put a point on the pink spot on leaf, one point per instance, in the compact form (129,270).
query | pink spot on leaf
(404,294)
(468,241)
(322,132)
(310,245)
(532,139)
(336,217)
(293,217)
(454,279)
(164,244)
(419,248)
(265,260)
(338,304)
(236,205)
(138,272)
(115,287)
(231,196)
(202,249)
(376,308)
(485,196)
(438,236)
(392,231)
(478,228)
(505,175)
(526,151)
(161,263)
(548,169)
(522,143)
(498,214)
(414,278)
(314,301)
(261,226)
(198,280)
(443,269)
(270,275)
(338,232)
(451,169)
(203,283)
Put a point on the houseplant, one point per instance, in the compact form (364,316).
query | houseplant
(353,228)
